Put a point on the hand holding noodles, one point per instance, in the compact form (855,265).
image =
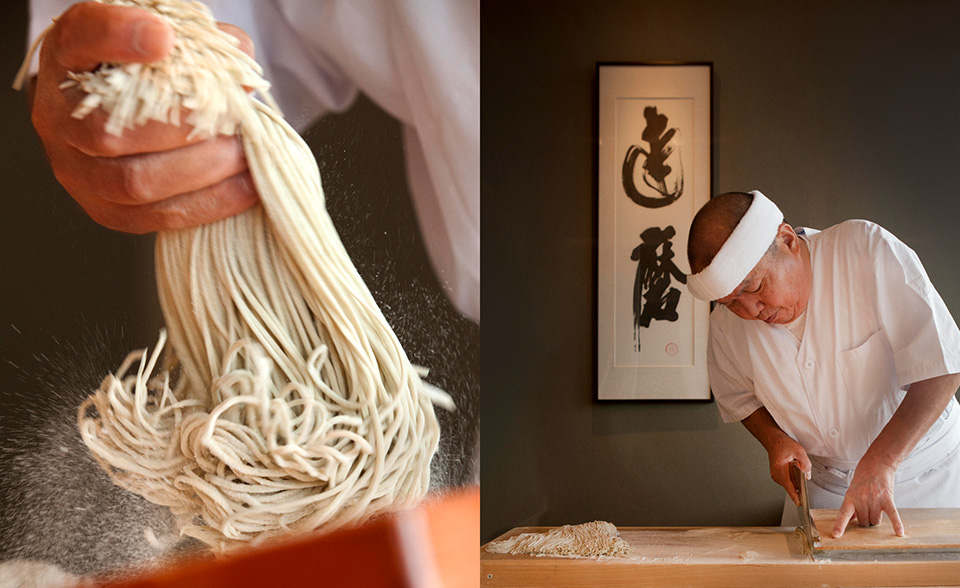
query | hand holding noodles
(294,406)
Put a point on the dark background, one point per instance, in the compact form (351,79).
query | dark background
(835,110)
(75,298)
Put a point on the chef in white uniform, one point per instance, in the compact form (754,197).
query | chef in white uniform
(419,60)
(833,349)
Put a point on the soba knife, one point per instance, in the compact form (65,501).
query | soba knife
(808,531)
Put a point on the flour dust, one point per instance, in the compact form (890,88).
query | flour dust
(58,506)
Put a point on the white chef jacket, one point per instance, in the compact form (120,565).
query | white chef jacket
(875,324)
(417,59)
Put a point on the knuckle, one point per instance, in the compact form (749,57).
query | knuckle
(59,37)
(172,216)
(69,25)
(78,12)
(135,181)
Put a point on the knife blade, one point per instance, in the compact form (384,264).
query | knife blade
(808,530)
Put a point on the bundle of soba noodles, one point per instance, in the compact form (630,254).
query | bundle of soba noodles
(286,402)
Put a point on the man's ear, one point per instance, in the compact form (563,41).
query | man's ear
(789,237)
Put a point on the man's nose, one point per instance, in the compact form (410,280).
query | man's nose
(752,305)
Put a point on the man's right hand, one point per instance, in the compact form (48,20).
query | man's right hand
(783,453)
(781,450)
(151,178)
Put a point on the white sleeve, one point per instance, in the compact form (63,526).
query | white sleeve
(420,61)
(918,324)
(731,385)
(439,61)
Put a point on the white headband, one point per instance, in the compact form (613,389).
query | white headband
(740,253)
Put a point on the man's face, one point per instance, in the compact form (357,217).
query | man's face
(778,288)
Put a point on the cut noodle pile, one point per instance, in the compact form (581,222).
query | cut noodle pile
(585,540)
(289,404)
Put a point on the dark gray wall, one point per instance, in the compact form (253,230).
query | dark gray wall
(834,109)
(75,298)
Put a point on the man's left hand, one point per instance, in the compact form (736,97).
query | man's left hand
(870,495)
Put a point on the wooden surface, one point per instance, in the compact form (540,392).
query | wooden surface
(708,557)
(926,528)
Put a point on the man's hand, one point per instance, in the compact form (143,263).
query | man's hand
(781,450)
(870,495)
(871,491)
(151,178)
(782,453)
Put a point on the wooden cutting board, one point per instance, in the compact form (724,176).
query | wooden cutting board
(709,557)
(927,529)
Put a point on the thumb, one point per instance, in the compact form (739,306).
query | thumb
(90,33)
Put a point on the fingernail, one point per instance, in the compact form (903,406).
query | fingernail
(152,38)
